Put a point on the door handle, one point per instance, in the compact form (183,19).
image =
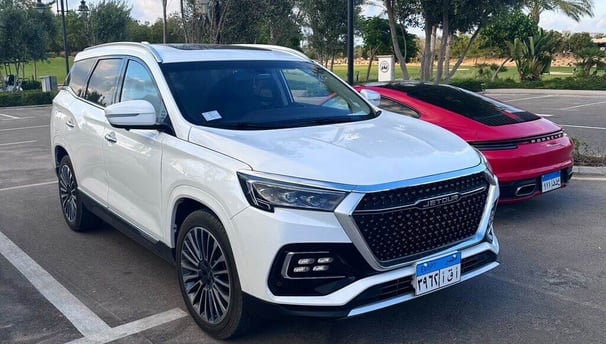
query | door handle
(111,137)
(70,123)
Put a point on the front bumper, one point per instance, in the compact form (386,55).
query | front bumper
(270,237)
(375,292)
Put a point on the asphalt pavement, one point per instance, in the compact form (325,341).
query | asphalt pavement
(58,286)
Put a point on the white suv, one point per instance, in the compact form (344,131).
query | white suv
(268,181)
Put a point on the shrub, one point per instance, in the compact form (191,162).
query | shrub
(469,84)
(26,98)
(28,85)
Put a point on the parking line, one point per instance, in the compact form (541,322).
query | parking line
(9,116)
(134,327)
(583,105)
(528,98)
(83,319)
(23,128)
(581,126)
(17,143)
(93,328)
(27,186)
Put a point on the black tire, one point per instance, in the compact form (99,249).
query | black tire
(75,213)
(208,277)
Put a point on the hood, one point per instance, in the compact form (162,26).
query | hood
(386,149)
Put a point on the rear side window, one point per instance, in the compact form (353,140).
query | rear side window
(77,76)
(104,82)
(393,106)
(467,104)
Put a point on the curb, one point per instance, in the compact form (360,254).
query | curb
(590,170)
(545,91)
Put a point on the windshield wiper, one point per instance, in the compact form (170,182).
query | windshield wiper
(246,126)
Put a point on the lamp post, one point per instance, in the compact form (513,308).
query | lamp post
(82,8)
(350,42)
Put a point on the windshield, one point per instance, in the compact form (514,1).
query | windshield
(262,94)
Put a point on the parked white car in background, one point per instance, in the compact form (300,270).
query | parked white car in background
(268,181)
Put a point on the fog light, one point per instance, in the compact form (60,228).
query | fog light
(311,265)
(306,261)
(300,269)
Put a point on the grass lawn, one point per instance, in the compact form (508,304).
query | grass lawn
(53,66)
(464,72)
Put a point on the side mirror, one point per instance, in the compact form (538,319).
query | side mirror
(132,114)
(373,97)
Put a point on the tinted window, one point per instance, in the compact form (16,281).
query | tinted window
(139,85)
(76,80)
(393,106)
(466,103)
(104,82)
(262,94)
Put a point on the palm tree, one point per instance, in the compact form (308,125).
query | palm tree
(574,9)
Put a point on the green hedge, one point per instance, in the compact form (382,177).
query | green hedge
(26,98)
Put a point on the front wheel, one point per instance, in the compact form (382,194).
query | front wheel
(77,216)
(208,277)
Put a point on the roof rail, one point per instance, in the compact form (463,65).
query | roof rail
(144,45)
(277,48)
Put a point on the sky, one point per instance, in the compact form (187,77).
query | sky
(150,10)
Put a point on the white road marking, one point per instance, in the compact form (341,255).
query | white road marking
(528,98)
(561,297)
(583,105)
(17,143)
(544,115)
(23,128)
(581,126)
(27,186)
(83,319)
(133,327)
(94,329)
(9,116)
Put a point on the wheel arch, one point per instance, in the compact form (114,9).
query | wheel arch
(58,153)
(186,199)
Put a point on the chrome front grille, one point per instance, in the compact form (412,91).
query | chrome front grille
(405,223)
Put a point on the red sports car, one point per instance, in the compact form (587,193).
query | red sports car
(529,154)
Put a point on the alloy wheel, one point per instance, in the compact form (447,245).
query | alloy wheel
(205,275)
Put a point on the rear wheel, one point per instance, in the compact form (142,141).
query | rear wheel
(77,216)
(208,277)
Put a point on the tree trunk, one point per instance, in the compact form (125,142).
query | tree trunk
(425,62)
(462,57)
(373,53)
(434,39)
(394,38)
(443,45)
(183,21)
(448,54)
(494,76)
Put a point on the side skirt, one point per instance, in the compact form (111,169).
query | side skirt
(157,247)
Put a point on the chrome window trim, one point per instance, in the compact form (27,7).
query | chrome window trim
(344,214)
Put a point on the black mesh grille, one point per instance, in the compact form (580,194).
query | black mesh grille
(408,231)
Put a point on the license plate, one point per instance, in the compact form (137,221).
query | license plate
(551,181)
(437,273)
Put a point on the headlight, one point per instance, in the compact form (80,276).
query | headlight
(266,194)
